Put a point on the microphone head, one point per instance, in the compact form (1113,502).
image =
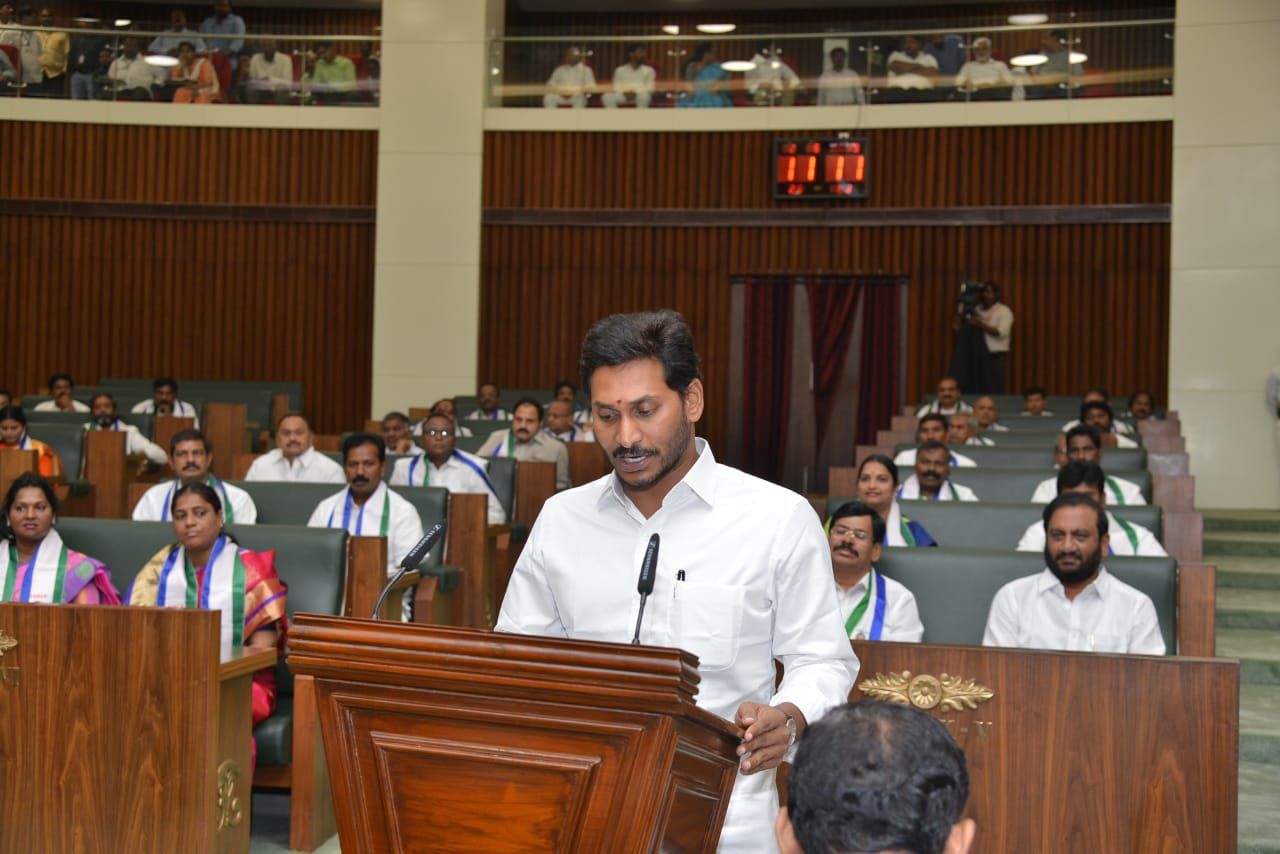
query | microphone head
(648,567)
(419,552)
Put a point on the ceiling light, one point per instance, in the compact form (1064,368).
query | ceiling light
(1077,58)
(1027,60)
(161,60)
(123,22)
(1028,20)
(738,65)
(716,29)
(671,29)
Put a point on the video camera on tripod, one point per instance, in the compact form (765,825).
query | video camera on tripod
(970,298)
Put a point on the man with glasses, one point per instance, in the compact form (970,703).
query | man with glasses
(872,606)
(440,463)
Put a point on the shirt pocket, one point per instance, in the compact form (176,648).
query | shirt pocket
(707,621)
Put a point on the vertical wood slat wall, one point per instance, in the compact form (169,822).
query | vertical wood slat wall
(275,292)
(1091,300)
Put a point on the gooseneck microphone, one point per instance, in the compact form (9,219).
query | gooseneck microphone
(416,555)
(648,571)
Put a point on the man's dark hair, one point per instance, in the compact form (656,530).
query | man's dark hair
(883,460)
(100,394)
(164,382)
(622,338)
(1077,473)
(323,45)
(1086,408)
(633,47)
(933,416)
(1075,499)
(876,776)
(29,480)
(13,413)
(563,384)
(1098,390)
(857,509)
(1138,394)
(836,50)
(53,378)
(1034,389)
(396,416)
(1060,35)
(6,393)
(528,401)
(291,414)
(189,436)
(1085,430)
(932,445)
(189,46)
(994,286)
(355,440)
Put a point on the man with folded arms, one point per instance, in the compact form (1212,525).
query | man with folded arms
(294,457)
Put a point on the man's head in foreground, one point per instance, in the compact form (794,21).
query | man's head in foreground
(876,777)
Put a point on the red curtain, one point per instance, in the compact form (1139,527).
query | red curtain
(833,304)
(766,374)
(881,351)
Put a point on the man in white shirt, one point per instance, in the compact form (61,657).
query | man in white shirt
(164,401)
(913,74)
(135,78)
(442,464)
(1097,394)
(1097,414)
(294,458)
(571,82)
(488,405)
(1128,538)
(947,401)
(1142,406)
(840,85)
(962,429)
(988,418)
(270,74)
(932,478)
(985,78)
(177,33)
(191,458)
(367,508)
(446,407)
(1084,444)
(396,434)
(1074,604)
(745,573)
(29,47)
(873,607)
(995,319)
(105,417)
(61,389)
(560,423)
(633,81)
(770,82)
(525,440)
(932,428)
(1035,401)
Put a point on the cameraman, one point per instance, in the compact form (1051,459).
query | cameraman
(995,319)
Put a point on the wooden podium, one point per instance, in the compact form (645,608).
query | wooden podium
(459,740)
(1076,751)
(122,732)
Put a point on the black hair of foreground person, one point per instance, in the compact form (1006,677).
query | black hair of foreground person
(877,776)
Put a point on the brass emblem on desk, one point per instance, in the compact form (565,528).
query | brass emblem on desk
(6,643)
(230,807)
(949,693)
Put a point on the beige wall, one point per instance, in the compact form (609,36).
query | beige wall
(1225,301)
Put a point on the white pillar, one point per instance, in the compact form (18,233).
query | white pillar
(1224,314)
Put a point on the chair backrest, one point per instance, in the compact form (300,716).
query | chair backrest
(1118,460)
(123,545)
(502,474)
(15,58)
(471,444)
(954,587)
(1013,485)
(282,503)
(66,439)
(59,417)
(432,504)
(984,524)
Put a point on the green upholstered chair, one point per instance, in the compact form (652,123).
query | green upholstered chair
(1013,485)
(954,587)
(471,444)
(34,417)
(1118,460)
(124,546)
(67,439)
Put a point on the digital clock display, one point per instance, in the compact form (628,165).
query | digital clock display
(820,168)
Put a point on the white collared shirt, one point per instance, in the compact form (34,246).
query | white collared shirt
(901,616)
(1147,544)
(1117,427)
(628,79)
(151,507)
(1119,491)
(181,409)
(757,586)
(907,459)
(949,492)
(52,406)
(573,434)
(311,466)
(934,407)
(498,414)
(1107,616)
(576,78)
(840,88)
(135,443)
(455,475)
(979,441)
(404,527)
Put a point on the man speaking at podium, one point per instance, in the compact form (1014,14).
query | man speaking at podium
(744,575)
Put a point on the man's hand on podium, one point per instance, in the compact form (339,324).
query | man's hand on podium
(766,736)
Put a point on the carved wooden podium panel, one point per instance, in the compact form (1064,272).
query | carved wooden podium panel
(457,740)
(122,731)
(1079,751)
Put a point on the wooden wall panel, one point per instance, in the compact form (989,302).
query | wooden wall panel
(1086,164)
(132,163)
(1091,301)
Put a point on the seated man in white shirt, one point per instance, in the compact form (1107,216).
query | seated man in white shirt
(560,423)
(525,440)
(984,78)
(191,458)
(962,429)
(442,464)
(931,428)
(106,417)
(1074,604)
(1128,538)
(932,477)
(270,74)
(397,435)
(1097,414)
(770,82)
(987,416)
(948,400)
(294,457)
(61,388)
(839,85)
(366,507)
(872,606)
(488,405)
(571,82)
(1084,444)
(164,401)
(1097,394)
(1035,401)
(913,74)
(633,81)
(1142,407)
(445,406)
